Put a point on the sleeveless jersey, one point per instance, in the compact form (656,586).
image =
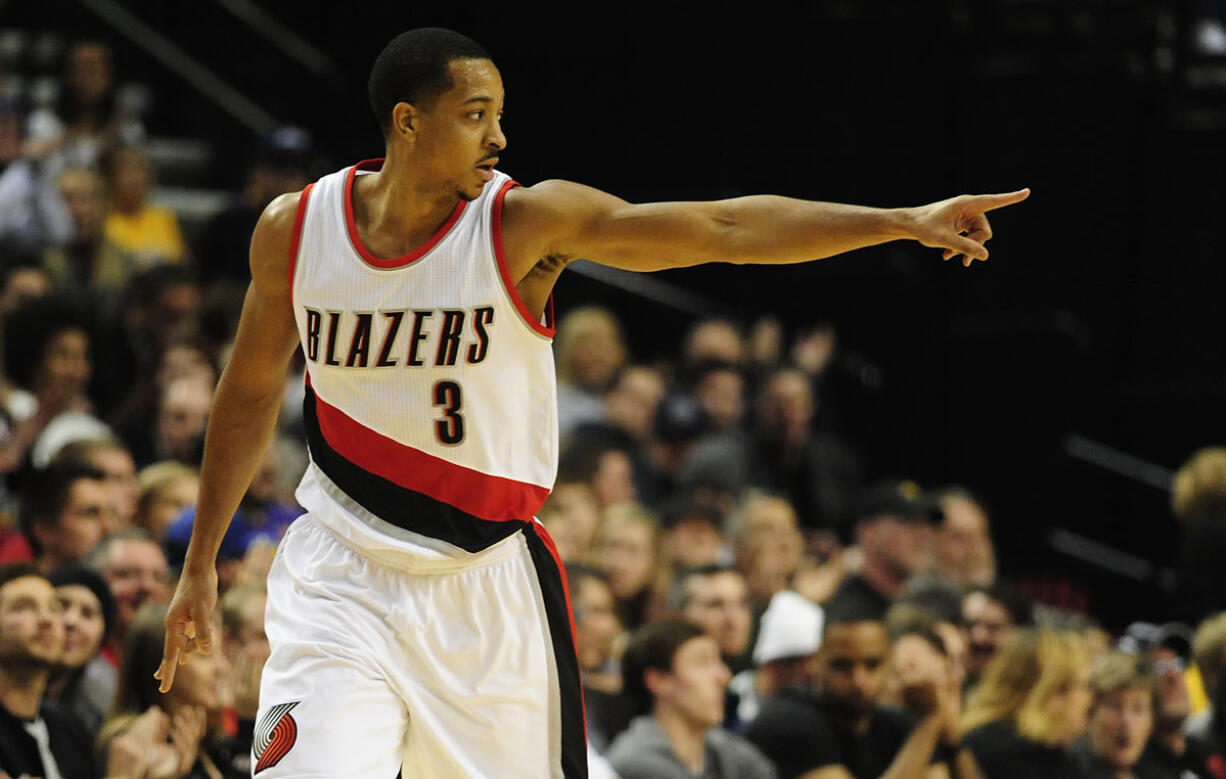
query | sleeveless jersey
(431,395)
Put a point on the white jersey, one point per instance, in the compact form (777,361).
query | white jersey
(431,395)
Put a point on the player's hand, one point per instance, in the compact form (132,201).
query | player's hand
(959,225)
(189,622)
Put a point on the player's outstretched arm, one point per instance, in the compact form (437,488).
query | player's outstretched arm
(575,221)
(241,425)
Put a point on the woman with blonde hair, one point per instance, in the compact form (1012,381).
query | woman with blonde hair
(1031,704)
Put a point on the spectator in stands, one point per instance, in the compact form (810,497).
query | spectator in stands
(572,516)
(769,546)
(160,308)
(1209,651)
(716,598)
(840,730)
(628,412)
(262,517)
(87,117)
(183,414)
(590,351)
(83,682)
(1121,719)
(64,514)
(1030,706)
(596,630)
(816,472)
(32,214)
(628,551)
(49,356)
(673,674)
(719,389)
(606,466)
(278,165)
(783,655)
(965,556)
(990,615)
(87,263)
(134,568)
(166,489)
(1198,500)
(37,739)
(22,279)
(712,340)
(110,456)
(183,741)
(149,235)
(895,531)
(692,537)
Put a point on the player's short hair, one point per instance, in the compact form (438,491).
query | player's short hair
(653,646)
(413,68)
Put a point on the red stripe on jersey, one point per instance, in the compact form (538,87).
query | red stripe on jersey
(483,496)
(303,197)
(504,270)
(352,226)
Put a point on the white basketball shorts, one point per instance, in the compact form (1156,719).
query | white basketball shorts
(389,660)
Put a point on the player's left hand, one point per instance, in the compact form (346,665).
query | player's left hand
(959,225)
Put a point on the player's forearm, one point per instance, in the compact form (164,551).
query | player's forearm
(241,426)
(766,229)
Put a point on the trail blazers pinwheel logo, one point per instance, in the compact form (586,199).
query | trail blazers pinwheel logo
(275,735)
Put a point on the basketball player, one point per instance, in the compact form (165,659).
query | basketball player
(417,613)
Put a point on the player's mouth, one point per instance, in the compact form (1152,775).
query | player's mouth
(485,169)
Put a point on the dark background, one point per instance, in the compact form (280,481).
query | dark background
(1098,314)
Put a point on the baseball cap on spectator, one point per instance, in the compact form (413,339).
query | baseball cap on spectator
(791,627)
(678,419)
(902,499)
(1140,637)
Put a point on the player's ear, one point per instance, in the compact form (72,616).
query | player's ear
(405,119)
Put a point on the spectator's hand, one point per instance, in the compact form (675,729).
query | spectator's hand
(922,696)
(127,756)
(189,623)
(187,729)
(959,225)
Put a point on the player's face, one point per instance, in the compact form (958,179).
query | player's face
(461,133)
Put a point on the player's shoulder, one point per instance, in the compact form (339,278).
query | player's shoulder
(274,235)
(553,204)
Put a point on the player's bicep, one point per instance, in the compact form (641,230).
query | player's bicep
(267,332)
(584,223)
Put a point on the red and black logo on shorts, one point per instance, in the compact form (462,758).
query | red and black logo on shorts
(275,735)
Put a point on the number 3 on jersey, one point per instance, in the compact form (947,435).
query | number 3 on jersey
(449,429)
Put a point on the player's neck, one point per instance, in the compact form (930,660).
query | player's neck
(395,213)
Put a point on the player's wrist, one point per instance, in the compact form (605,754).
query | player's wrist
(899,223)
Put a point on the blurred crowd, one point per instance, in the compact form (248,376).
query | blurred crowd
(748,600)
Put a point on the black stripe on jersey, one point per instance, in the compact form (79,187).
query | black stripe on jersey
(392,503)
(574,737)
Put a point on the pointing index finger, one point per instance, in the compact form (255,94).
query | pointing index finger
(992,202)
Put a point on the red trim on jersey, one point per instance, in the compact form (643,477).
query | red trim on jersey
(299,216)
(483,496)
(356,240)
(542,533)
(504,271)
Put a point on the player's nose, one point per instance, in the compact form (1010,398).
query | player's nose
(496,139)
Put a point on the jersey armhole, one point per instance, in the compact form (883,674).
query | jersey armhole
(299,218)
(504,270)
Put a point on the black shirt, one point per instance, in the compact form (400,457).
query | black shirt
(70,744)
(799,736)
(1002,754)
